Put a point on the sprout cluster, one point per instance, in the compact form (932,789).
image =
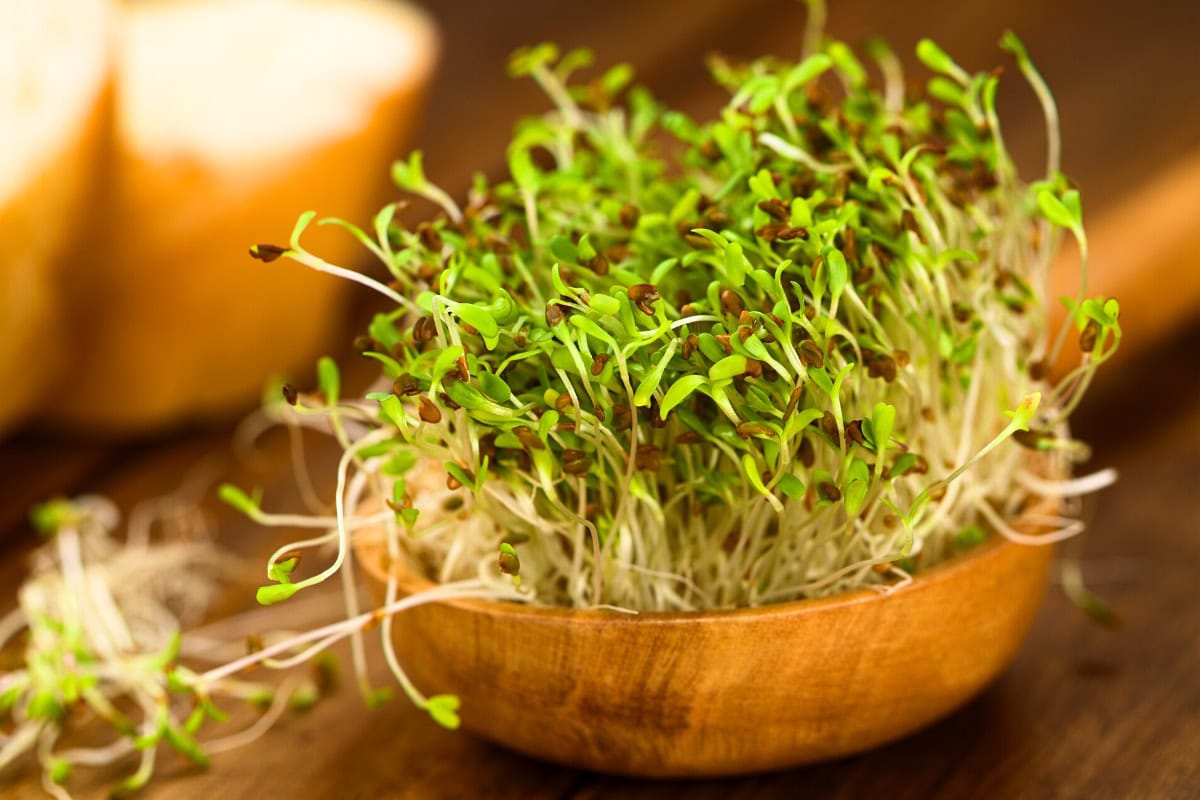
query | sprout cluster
(99,620)
(677,365)
(797,349)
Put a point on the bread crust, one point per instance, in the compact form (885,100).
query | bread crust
(36,225)
(173,321)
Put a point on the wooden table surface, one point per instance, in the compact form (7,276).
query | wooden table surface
(1084,712)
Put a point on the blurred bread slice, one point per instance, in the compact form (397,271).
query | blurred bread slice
(54,70)
(232,118)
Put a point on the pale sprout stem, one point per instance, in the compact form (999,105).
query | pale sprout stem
(1066,527)
(679,323)
(1067,324)
(449,591)
(526,275)
(690,533)
(814,27)
(279,704)
(388,642)
(1087,484)
(19,741)
(302,544)
(795,153)
(304,481)
(806,588)
(306,521)
(349,594)
(667,576)
(51,788)
(439,196)
(1074,386)
(631,454)
(1049,111)
(589,529)
(340,500)
(905,579)
(320,265)
(145,765)
(45,751)
(307,653)
(617,609)
(554,88)
(77,581)
(970,409)
(531,216)
(105,607)
(785,116)
(451,558)
(893,78)
(98,756)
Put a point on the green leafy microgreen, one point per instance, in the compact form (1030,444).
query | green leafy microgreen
(237,498)
(281,571)
(677,363)
(728,367)
(46,518)
(443,708)
(304,696)
(276,593)
(970,536)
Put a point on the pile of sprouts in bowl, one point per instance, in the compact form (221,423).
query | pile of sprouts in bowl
(673,365)
(670,365)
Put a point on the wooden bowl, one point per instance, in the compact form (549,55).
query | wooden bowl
(724,692)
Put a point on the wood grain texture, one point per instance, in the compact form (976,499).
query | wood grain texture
(723,692)
(1082,712)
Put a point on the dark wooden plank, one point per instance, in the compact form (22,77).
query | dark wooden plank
(1083,713)
(339,749)
(33,470)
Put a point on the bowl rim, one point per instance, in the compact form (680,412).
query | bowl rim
(996,545)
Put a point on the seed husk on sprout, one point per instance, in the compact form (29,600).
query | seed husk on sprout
(671,365)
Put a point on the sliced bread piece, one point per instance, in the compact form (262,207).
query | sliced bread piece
(232,117)
(54,79)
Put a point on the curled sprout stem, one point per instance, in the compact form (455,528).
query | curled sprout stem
(715,374)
